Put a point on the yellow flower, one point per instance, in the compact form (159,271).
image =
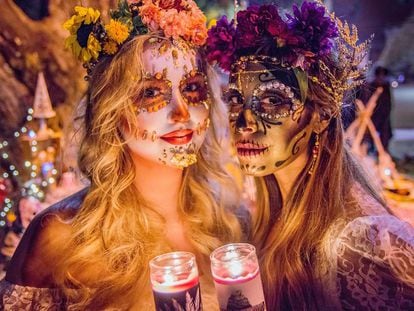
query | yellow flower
(110,47)
(87,15)
(84,54)
(81,41)
(82,16)
(117,31)
(93,49)
(212,23)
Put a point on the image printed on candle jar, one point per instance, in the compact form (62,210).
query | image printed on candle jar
(189,300)
(237,301)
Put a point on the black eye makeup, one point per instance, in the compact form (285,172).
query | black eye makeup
(274,100)
(235,103)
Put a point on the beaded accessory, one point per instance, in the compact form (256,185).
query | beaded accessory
(315,154)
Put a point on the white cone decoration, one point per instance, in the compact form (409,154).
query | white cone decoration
(42,107)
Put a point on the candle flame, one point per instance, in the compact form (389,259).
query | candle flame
(168,279)
(235,269)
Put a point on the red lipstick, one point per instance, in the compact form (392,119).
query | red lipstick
(180,137)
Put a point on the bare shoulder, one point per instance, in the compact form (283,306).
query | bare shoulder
(43,244)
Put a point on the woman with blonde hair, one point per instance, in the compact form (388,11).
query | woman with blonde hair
(325,238)
(153,158)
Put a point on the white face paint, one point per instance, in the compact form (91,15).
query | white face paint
(172,107)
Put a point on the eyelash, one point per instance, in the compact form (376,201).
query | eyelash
(154,90)
(238,98)
(188,87)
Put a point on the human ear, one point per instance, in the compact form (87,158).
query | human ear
(320,122)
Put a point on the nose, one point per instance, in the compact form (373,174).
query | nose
(180,112)
(246,122)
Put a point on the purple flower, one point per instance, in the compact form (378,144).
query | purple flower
(313,29)
(221,43)
(277,28)
(249,30)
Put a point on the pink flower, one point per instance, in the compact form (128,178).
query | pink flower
(150,15)
(176,18)
(172,24)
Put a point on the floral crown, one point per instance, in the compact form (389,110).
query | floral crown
(303,41)
(90,39)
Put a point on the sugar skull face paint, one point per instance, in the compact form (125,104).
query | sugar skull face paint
(271,127)
(172,106)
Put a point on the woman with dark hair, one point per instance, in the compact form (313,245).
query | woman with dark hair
(325,238)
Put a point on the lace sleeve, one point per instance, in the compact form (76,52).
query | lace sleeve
(21,298)
(376,264)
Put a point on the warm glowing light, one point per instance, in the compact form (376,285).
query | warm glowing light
(168,279)
(235,269)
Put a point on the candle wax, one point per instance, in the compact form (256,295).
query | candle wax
(177,299)
(242,293)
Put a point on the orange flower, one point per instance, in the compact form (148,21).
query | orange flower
(150,15)
(110,47)
(177,18)
(199,35)
(173,23)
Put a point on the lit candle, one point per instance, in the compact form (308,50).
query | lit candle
(237,277)
(174,279)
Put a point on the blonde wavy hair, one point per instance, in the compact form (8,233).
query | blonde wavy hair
(116,233)
(289,235)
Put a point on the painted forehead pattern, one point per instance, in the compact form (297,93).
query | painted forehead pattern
(173,49)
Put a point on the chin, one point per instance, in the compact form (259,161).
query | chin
(255,168)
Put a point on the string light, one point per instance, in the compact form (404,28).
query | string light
(12,170)
(33,189)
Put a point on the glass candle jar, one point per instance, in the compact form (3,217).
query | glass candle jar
(174,280)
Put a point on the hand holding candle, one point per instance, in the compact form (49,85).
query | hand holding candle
(174,279)
(237,278)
